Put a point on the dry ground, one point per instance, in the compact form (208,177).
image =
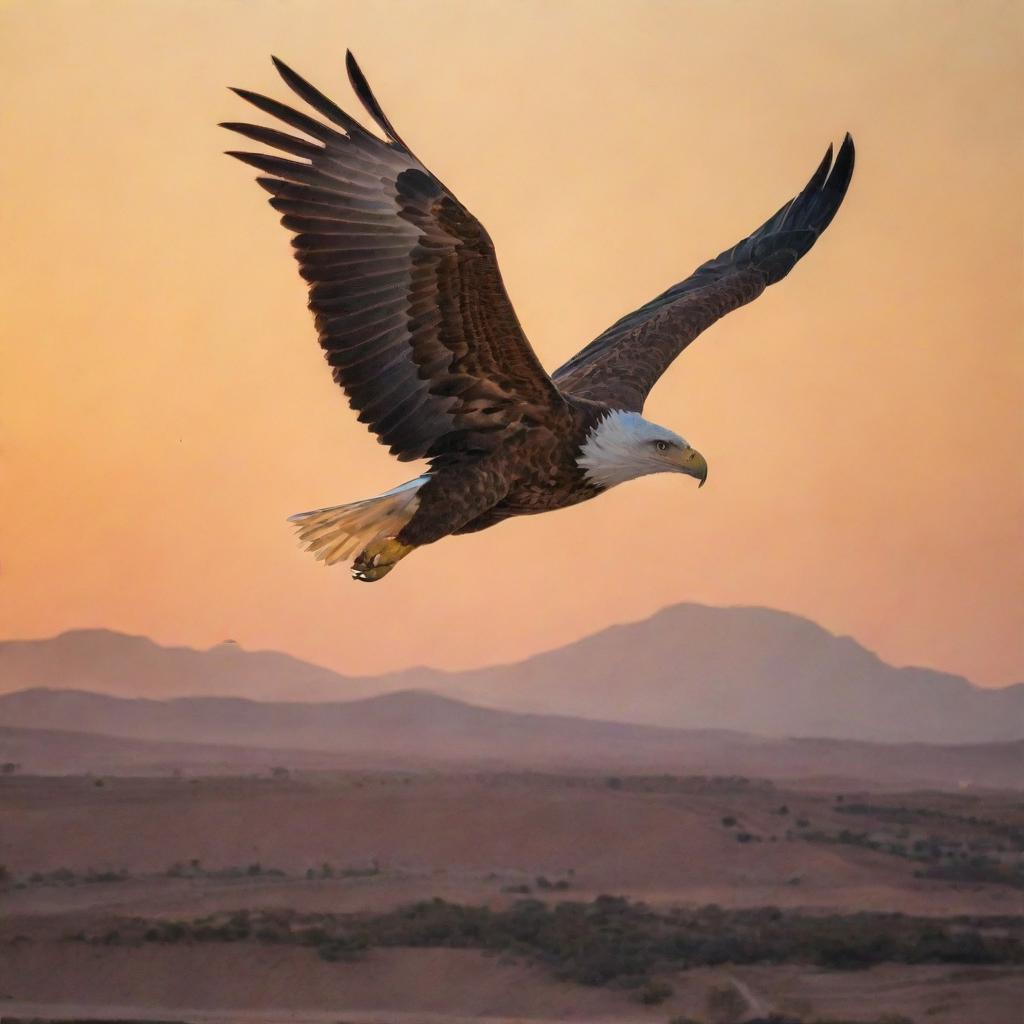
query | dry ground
(442,986)
(468,839)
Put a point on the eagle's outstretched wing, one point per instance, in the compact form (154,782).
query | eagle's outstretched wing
(622,365)
(403,281)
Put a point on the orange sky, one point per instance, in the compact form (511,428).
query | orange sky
(164,406)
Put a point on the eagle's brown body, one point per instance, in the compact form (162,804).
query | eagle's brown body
(534,472)
(414,320)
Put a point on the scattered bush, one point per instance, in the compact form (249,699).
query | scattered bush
(542,882)
(61,876)
(975,870)
(613,941)
(653,992)
(194,869)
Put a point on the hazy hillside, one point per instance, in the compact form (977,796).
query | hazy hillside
(107,662)
(400,725)
(63,752)
(751,669)
(72,731)
(690,666)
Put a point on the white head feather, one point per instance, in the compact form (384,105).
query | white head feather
(623,446)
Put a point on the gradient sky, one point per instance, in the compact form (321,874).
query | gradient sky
(164,405)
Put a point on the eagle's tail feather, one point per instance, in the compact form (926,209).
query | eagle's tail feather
(336,534)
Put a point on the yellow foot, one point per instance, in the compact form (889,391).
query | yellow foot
(378,559)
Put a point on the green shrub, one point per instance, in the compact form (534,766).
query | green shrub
(654,992)
(614,941)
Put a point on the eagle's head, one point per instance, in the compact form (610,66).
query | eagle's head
(623,445)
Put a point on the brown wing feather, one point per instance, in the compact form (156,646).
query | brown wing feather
(403,282)
(622,365)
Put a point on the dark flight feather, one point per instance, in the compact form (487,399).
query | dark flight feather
(409,305)
(318,101)
(404,285)
(362,89)
(622,365)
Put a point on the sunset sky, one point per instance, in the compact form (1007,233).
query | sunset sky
(164,405)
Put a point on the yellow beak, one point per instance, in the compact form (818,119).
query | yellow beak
(692,463)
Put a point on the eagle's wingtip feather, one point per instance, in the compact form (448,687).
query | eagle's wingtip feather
(361,87)
(820,172)
(282,69)
(842,169)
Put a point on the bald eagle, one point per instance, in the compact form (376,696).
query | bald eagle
(415,322)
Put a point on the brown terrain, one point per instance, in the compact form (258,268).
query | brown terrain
(576,838)
(88,856)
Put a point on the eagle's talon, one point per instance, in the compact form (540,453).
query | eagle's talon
(376,560)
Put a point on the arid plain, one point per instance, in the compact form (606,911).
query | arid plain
(209,898)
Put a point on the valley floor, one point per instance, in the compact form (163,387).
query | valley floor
(460,986)
(80,857)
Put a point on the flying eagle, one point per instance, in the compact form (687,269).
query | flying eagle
(418,329)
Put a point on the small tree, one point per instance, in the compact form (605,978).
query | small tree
(653,992)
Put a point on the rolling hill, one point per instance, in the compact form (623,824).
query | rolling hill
(689,666)
(60,731)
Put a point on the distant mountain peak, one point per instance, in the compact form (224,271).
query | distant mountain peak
(748,669)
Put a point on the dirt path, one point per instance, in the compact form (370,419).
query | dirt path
(756,1005)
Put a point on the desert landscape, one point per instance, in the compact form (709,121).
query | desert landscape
(743,753)
(402,855)
(360,894)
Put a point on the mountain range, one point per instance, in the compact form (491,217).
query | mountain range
(76,731)
(692,667)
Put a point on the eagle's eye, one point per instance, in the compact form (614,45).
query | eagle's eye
(663,446)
